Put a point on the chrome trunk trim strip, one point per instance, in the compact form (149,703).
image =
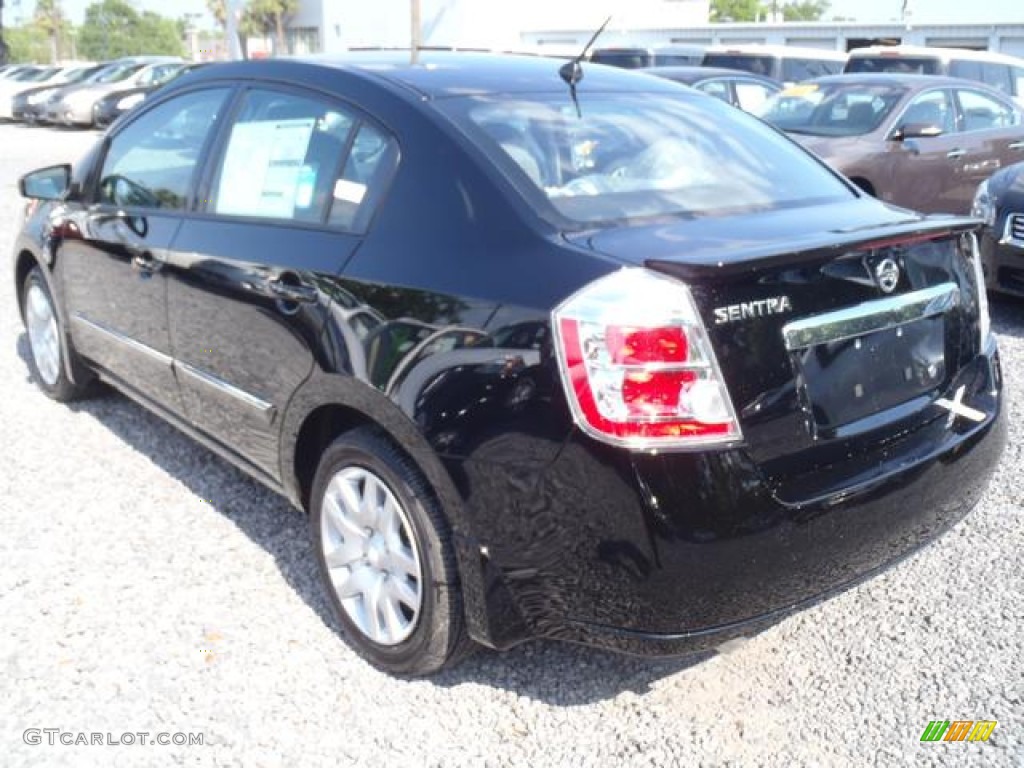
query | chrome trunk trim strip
(870,317)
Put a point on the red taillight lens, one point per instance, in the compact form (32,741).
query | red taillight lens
(637,365)
(631,346)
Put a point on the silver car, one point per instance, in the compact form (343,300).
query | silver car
(73,105)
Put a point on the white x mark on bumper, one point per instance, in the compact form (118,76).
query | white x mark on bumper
(956,407)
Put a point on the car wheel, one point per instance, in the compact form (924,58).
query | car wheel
(385,554)
(44,330)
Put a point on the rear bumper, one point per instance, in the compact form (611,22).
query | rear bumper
(662,555)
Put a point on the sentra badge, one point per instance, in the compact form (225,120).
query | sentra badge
(775,305)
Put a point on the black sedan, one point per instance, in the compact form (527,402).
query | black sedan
(999,202)
(544,349)
(741,89)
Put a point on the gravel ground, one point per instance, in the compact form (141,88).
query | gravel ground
(147,586)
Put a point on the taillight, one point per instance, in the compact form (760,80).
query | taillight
(969,243)
(637,365)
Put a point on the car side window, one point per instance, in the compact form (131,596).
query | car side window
(930,108)
(968,70)
(981,112)
(361,185)
(997,76)
(1018,81)
(297,158)
(717,88)
(150,164)
(750,95)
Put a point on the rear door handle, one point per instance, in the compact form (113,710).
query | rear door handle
(1017,145)
(953,154)
(288,288)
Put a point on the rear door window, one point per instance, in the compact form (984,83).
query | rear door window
(981,112)
(300,158)
(717,88)
(751,96)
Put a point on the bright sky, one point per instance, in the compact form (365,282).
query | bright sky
(862,10)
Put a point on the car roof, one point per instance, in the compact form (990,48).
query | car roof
(793,51)
(917,51)
(444,74)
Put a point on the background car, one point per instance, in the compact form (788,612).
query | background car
(918,141)
(29,105)
(785,63)
(54,76)
(73,104)
(999,202)
(114,104)
(996,70)
(598,359)
(741,89)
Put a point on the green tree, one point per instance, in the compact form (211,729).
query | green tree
(269,18)
(805,10)
(735,10)
(26,43)
(49,18)
(112,28)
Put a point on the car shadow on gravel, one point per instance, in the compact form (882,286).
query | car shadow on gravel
(556,673)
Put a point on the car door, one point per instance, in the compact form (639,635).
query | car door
(115,247)
(995,126)
(285,207)
(924,173)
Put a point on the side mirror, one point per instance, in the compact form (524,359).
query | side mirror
(917,131)
(47,183)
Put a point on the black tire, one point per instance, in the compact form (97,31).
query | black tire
(437,636)
(59,387)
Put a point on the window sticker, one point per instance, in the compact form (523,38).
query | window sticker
(263,173)
(349,191)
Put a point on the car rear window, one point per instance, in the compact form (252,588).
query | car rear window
(759,65)
(640,155)
(907,65)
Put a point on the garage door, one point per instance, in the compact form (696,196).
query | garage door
(1012,46)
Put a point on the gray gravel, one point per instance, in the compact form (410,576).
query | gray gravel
(145,585)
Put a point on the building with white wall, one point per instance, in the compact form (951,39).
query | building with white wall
(333,25)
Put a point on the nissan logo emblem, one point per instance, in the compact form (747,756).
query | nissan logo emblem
(887,275)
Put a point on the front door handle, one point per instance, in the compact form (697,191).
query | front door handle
(287,287)
(1017,146)
(953,154)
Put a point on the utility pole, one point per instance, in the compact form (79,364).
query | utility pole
(232,12)
(3,45)
(415,31)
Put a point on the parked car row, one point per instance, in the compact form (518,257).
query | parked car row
(83,94)
(788,64)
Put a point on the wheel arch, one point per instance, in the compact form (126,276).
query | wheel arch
(328,405)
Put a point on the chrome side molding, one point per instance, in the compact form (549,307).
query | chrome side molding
(120,338)
(870,317)
(262,407)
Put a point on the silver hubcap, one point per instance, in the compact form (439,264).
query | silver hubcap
(42,334)
(371,555)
